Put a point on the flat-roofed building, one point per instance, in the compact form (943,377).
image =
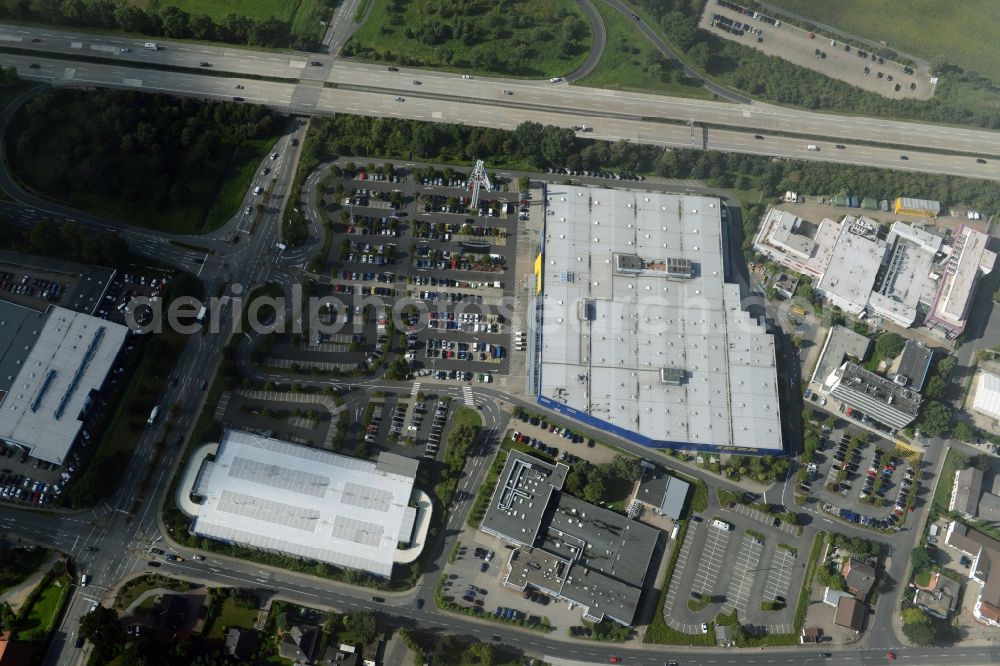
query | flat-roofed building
(841,344)
(850,277)
(50,365)
(875,397)
(797,244)
(968,261)
(918,207)
(273,495)
(905,285)
(567,547)
(640,334)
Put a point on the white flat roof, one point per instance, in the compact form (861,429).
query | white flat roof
(969,260)
(987,400)
(270,494)
(70,357)
(850,276)
(608,368)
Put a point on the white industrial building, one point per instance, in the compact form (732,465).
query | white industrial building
(50,363)
(277,496)
(638,331)
(987,395)
(909,272)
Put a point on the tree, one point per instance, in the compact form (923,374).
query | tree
(935,419)
(962,432)
(920,560)
(595,489)
(980,462)
(935,388)
(917,626)
(105,633)
(889,345)
(361,626)
(482,653)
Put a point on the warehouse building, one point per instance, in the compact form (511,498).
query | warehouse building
(850,277)
(568,548)
(914,364)
(639,333)
(273,495)
(906,283)
(51,363)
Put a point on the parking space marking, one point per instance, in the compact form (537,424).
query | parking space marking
(716,545)
(679,567)
(780,575)
(743,576)
(762,517)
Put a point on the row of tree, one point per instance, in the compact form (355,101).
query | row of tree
(162,19)
(535,146)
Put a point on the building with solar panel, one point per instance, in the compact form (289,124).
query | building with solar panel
(268,494)
(637,330)
(51,363)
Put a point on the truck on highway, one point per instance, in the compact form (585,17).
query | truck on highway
(152,415)
(152,46)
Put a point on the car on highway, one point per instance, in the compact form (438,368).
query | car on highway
(555,79)
(466,76)
(157,551)
(508,92)
(239,87)
(416,82)
(199,558)
(237,99)
(80,640)
(316,63)
(265,171)
(903,157)
(614,660)
(93,607)
(257,190)
(249,210)
(204,64)
(124,49)
(758,136)
(173,558)
(35,40)
(400,99)
(420,603)
(378,600)
(980,160)
(274,156)
(393,69)
(34,65)
(840,146)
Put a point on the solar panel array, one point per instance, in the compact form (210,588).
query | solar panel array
(366,497)
(269,511)
(283,478)
(357,531)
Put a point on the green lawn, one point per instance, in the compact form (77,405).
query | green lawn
(38,620)
(942,491)
(513,38)
(135,588)
(246,159)
(231,615)
(631,62)
(966,33)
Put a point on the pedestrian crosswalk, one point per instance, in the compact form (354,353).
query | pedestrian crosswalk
(415,390)
(467,395)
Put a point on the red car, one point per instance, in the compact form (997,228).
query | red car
(614,660)
(890,655)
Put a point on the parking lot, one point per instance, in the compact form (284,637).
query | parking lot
(407,238)
(734,564)
(863,482)
(822,53)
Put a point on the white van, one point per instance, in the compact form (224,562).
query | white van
(812,146)
(152,46)
(722,525)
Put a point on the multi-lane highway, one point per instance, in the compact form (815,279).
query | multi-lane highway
(295,83)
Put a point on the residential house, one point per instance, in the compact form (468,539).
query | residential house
(299,644)
(859,576)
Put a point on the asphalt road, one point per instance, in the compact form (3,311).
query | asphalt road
(592,105)
(597,48)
